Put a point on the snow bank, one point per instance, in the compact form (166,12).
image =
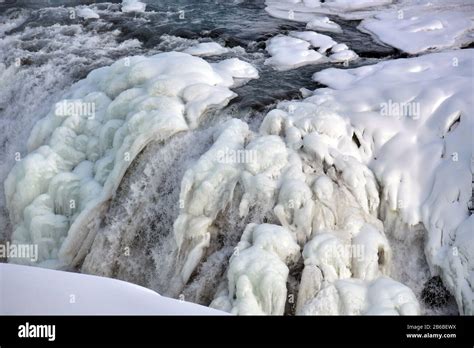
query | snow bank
(293,51)
(80,151)
(36,291)
(416,29)
(420,107)
(307,10)
(204,49)
(133,6)
(409,25)
(289,53)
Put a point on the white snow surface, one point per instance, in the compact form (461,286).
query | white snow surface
(30,290)
(56,194)
(422,27)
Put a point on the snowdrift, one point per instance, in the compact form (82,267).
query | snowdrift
(35,291)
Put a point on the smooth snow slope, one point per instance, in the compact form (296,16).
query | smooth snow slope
(29,290)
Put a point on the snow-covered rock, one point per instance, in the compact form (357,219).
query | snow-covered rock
(80,151)
(323,24)
(296,50)
(289,53)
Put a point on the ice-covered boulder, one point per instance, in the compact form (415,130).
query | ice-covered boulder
(258,270)
(298,49)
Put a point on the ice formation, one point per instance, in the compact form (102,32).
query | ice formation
(258,271)
(205,49)
(317,166)
(80,151)
(296,49)
(409,25)
(133,6)
(293,165)
(323,24)
(383,296)
(87,13)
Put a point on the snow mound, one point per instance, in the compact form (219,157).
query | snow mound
(36,291)
(133,6)
(80,151)
(295,50)
(205,49)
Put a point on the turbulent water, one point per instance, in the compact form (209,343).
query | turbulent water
(43,51)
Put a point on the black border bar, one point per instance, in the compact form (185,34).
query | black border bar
(210,330)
